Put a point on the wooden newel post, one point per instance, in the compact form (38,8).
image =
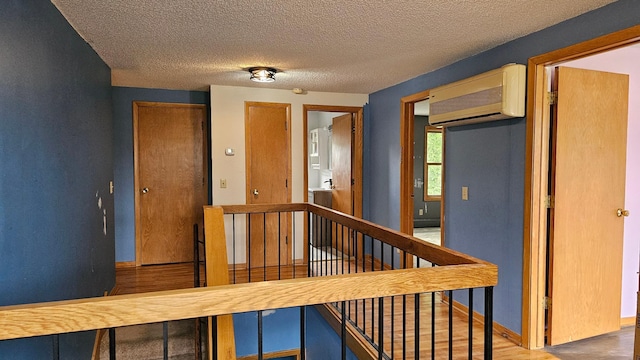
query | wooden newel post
(217,271)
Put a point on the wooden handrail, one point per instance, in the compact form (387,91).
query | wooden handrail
(435,254)
(458,271)
(21,321)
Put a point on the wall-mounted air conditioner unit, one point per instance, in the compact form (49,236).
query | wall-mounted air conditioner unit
(494,95)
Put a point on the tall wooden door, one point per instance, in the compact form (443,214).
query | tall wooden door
(341,159)
(268,166)
(170,180)
(588,183)
(341,175)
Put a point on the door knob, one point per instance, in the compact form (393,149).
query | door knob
(255,192)
(622,213)
(145,190)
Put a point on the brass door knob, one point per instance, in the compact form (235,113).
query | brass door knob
(622,213)
(255,192)
(145,190)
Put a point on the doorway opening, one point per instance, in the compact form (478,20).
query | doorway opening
(537,224)
(422,171)
(333,162)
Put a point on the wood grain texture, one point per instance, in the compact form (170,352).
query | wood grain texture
(588,186)
(268,169)
(123,310)
(169,153)
(218,274)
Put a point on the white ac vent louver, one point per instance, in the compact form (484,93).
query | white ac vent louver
(494,95)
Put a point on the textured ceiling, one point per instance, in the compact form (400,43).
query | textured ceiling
(353,46)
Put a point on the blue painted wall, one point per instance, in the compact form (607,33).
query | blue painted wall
(281,331)
(322,342)
(56,146)
(123,98)
(488,158)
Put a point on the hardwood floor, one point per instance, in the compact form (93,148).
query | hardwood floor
(179,276)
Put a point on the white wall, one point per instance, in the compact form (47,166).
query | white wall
(625,61)
(227,131)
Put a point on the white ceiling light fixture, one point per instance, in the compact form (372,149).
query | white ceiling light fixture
(263,74)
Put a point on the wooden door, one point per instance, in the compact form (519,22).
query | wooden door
(341,155)
(588,183)
(341,175)
(268,166)
(170,184)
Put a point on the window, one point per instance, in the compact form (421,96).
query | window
(433,142)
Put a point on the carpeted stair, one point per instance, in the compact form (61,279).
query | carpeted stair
(145,342)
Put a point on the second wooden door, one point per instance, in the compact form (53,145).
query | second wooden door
(268,166)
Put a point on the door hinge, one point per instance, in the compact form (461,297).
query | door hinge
(353,181)
(286,183)
(286,125)
(552,97)
(546,303)
(202,125)
(286,239)
(549,202)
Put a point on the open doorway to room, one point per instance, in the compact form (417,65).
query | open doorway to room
(421,171)
(609,54)
(427,175)
(333,163)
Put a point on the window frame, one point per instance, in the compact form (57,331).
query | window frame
(426,197)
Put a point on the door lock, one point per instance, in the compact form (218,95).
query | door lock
(255,192)
(622,213)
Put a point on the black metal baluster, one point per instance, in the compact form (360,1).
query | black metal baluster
(450,325)
(309,240)
(214,336)
(343,333)
(404,326)
(303,332)
(112,344)
(380,327)
(470,323)
(260,349)
(165,340)
(381,308)
(433,322)
(249,248)
(403,262)
(373,315)
(293,242)
(264,246)
(342,250)
(488,323)
(417,323)
(392,335)
(233,239)
(196,257)
(364,301)
(355,266)
(55,339)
